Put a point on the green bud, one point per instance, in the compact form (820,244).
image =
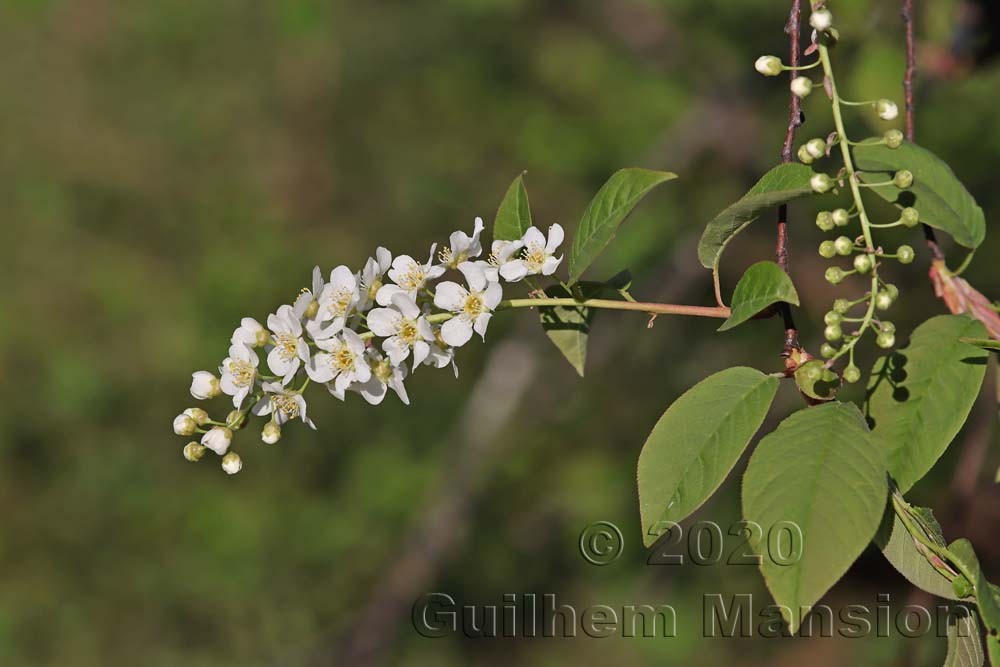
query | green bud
(841,306)
(312,309)
(887,327)
(886,109)
(232,463)
(832,332)
(826,249)
(852,374)
(893,138)
(910,216)
(193,451)
(904,254)
(903,179)
(961,586)
(821,183)
(816,148)
(885,340)
(833,317)
(844,246)
(801,86)
(824,220)
(271,433)
(883,301)
(768,65)
(235,419)
(892,290)
(841,217)
(862,263)
(199,416)
(804,156)
(827,350)
(834,275)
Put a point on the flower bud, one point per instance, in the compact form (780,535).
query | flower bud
(834,275)
(827,350)
(194,451)
(232,463)
(862,263)
(852,374)
(218,439)
(904,254)
(198,415)
(832,332)
(892,290)
(883,301)
(827,250)
(885,340)
(236,419)
(910,216)
(824,221)
(833,317)
(893,138)
(903,179)
(841,306)
(816,148)
(820,183)
(841,217)
(886,109)
(204,385)
(185,425)
(768,65)
(801,86)
(821,20)
(271,433)
(887,327)
(804,156)
(312,309)
(843,245)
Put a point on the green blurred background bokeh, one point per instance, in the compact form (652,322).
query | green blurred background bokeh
(168,167)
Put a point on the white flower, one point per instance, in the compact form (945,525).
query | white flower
(307,302)
(462,247)
(232,463)
(289,350)
(473,307)
(204,385)
(370,278)
(537,257)
(887,109)
(500,253)
(250,333)
(342,362)
(239,371)
(218,439)
(410,277)
(821,20)
(185,425)
(385,375)
(404,328)
(801,86)
(271,433)
(768,65)
(285,404)
(336,302)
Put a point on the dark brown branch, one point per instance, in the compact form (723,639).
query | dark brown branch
(911,72)
(794,121)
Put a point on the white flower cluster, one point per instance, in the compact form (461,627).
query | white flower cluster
(357,331)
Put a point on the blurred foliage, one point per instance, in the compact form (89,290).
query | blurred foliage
(169,167)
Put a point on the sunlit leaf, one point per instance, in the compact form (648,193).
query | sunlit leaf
(762,285)
(697,441)
(514,215)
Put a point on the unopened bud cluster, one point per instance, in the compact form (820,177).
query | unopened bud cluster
(360,332)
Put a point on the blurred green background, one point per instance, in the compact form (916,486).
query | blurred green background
(168,167)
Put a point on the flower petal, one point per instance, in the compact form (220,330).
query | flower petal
(319,368)
(514,270)
(481,323)
(385,321)
(556,235)
(473,275)
(450,296)
(457,331)
(492,295)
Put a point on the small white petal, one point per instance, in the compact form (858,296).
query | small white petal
(514,270)
(492,295)
(556,235)
(384,321)
(481,323)
(473,275)
(450,296)
(457,331)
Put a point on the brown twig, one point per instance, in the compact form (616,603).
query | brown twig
(911,72)
(794,121)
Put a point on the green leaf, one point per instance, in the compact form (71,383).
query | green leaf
(965,643)
(919,396)
(985,343)
(763,284)
(607,210)
(816,381)
(906,555)
(965,558)
(822,472)
(778,186)
(514,215)
(697,441)
(568,327)
(941,199)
